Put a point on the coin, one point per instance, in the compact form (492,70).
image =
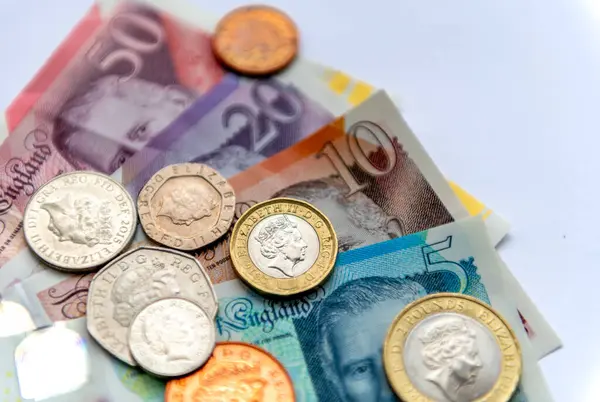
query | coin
(135,279)
(186,206)
(236,372)
(283,246)
(171,337)
(256,40)
(451,347)
(79,221)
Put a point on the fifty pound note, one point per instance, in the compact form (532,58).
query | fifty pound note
(331,340)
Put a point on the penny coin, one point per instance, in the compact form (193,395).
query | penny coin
(186,206)
(79,221)
(236,372)
(451,347)
(135,279)
(283,246)
(171,337)
(256,40)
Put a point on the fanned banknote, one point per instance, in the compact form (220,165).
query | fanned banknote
(303,333)
(110,89)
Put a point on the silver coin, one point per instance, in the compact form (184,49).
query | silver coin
(172,337)
(134,280)
(79,221)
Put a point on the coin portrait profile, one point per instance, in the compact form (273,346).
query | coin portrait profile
(171,336)
(283,243)
(184,205)
(81,220)
(451,358)
(139,286)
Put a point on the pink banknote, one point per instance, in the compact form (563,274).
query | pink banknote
(104,94)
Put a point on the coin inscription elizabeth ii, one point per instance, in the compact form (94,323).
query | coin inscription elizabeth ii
(449,347)
(186,206)
(283,246)
(171,337)
(79,220)
(135,279)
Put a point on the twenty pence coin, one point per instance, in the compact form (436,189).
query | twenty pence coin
(135,279)
(171,337)
(236,372)
(451,347)
(186,206)
(283,246)
(79,221)
(256,40)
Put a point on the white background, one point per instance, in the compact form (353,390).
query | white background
(505,95)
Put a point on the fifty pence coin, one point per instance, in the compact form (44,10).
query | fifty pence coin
(283,246)
(171,337)
(236,371)
(186,206)
(450,347)
(135,279)
(79,221)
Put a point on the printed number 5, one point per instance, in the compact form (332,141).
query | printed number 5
(434,263)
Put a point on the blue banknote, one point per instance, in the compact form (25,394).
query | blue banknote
(331,339)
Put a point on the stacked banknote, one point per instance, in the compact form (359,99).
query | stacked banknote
(135,88)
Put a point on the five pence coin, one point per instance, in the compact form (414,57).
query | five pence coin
(171,337)
(79,221)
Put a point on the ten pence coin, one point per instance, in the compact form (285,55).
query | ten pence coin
(135,279)
(256,40)
(186,206)
(79,221)
(236,372)
(283,246)
(450,347)
(171,337)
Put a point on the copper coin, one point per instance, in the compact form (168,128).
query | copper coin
(256,40)
(236,371)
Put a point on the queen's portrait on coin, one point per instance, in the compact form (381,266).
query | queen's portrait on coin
(451,354)
(80,220)
(138,287)
(185,205)
(282,244)
(172,337)
(352,323)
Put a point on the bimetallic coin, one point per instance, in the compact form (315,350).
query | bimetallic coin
(450,347)
(283,246)
(186,206)
(236,372)
(171,337)
(256,40)
(79,221)
(134,280)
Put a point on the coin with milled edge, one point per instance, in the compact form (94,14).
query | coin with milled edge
(283,246)
(186,206)
(256,40)
(450,347)
(134,280)
(79,221)
(171,337)
(236,372)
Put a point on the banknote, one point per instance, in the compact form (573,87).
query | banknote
(330,340)
(353,91)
